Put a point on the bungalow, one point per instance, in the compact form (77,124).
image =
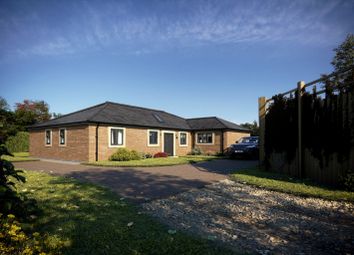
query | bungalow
(96,132)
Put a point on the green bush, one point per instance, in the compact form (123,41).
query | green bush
(148,155)
(123,154)
(196,151)
(348,181)
(10,200)
(19,142)
(13,240)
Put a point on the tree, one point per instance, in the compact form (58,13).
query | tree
(30,112)
(56,115)
(252,126)
(4,105)
(344,54)
(7,121)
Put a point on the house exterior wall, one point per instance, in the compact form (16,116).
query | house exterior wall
(76,148)
(135,139)
(81,142)
(230,137)
(225,137)
(213,148)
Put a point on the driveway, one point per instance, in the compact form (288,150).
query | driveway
(141,184)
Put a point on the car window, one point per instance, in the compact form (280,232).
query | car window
(248,140)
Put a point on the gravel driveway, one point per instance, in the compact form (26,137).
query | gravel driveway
(139,184)
(260,221)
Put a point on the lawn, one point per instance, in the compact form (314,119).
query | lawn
(90,219)
(169,161)
(286,184)
(19,156)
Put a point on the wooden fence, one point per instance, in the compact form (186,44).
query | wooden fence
(306,163)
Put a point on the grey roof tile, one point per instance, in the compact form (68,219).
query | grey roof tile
(208,123)
(121,114)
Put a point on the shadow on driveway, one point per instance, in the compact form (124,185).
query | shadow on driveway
(140,184)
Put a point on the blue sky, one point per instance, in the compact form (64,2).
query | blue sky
(190,58)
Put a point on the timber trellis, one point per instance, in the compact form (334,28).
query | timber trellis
(299,91)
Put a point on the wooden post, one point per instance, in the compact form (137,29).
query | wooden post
(300,91)
(262,101)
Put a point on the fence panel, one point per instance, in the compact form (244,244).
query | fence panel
(310,134)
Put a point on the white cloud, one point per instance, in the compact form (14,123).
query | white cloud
(119,25)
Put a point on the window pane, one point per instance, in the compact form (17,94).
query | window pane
(47,135)
(205,138)
(116,136)
(113,134)
(153,137)
(62,136)
(209,138)
(120,137)
(183,139)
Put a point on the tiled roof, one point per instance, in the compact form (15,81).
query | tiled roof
(208,123)
(127,115)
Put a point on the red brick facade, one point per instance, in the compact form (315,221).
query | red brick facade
(81,142)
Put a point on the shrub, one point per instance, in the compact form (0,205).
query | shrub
(145,155)
(348,181)
(196,151)
(13,240)
(123,154)
(161,155)
(19,142)
(220,154)
(148,155)
(209,153)
(10,199)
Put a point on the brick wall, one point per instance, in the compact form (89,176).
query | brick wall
(210,148)
(81,143)
(76,148)
(135,139)
(230,137)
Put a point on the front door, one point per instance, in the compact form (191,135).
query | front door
(168,143)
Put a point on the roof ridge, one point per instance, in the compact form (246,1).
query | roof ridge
(133,106)
(210,117)
(239,126)
(99,111)
(175,115)
(222,123)
(85,109)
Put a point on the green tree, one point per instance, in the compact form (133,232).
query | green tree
(4,105)
(56,115)
(30,112)
(252,126)
(344,54)
(8,125)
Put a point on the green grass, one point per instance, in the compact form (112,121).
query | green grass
(90,219)
(170,161)
(19,156)
(286,184)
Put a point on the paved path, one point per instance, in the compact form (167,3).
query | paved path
(139,184)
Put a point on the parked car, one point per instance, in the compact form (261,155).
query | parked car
(246,147)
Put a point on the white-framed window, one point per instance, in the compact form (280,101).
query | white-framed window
(183,139)
(116,137)
(205,138)
(48,137)
(62,136)
(153,137)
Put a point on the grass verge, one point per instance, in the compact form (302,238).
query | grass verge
(286,184)
(90,219)
(169,161)
(19,156)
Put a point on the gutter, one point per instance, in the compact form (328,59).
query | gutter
(96,137)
